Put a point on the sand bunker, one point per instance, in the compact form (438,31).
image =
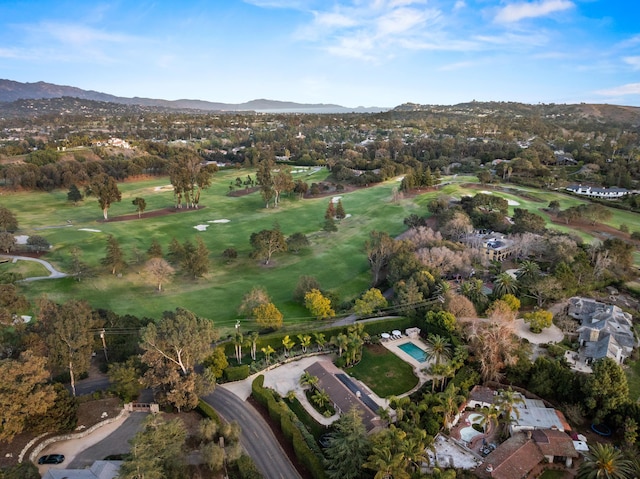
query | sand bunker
(335,199)
(21,239)
(486,192)
(201,227)
(348,215)
(219,221)
(163,188)
(513,203)
(90,230)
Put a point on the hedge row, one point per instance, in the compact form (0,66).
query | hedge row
(236,373)
(293,430)
(206,410)
(247,468)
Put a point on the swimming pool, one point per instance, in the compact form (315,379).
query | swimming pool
(414,351)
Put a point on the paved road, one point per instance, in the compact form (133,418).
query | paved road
(115,443)
(257,438)
(53,273)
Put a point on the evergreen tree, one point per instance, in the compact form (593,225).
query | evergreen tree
(74,194)
(155,250)
(115,257)
(340,213)
(331,211)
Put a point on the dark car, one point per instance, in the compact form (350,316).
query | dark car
(51,459)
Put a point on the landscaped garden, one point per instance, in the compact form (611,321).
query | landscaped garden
(384,372)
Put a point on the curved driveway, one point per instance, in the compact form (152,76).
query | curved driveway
(256,438)
(53,273)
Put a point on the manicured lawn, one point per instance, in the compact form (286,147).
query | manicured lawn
(24,268)
(384,372)
(553,474)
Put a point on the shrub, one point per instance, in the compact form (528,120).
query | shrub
(206,410)
(247,468)
(236,373)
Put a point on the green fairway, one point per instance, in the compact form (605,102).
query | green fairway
(25,269)
(384,372)
(337,259)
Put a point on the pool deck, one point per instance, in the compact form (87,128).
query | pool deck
(419,369)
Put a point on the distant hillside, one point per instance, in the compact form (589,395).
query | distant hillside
(614,114)
(11,91)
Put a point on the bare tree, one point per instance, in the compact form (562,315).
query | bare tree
(159,270)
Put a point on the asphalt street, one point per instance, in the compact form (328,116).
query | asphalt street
(257,438)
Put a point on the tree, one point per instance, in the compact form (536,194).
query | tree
(172,348)
(79,269)
(305,284)
(215,363)
(140,205)
(114,258)
(506,402)
(38,243)
(379,248)
(282,183)
(538,320)
(331,210)
(297,241)
(189,177)
(268,316)
(157,451)
(68,335)
(340,213)
(341,341)
(267,242)
(12,303)
(500,310)
(318,305)
(474,290)
(238,341)
(349,446)
(253,339)
(24,393)
(371,300)
(504,284)
(196,258)
(449,402)
(484,177)
(606,388)
(267,351)
(525,221)
(8,220)
(604,461)
(544,289)
(74,194)
(330,225)
(155,250)
(251,300)
(288,344)
(105,188)
(7,242)
(125,379)
(159,270)
(320,340)
(265,180)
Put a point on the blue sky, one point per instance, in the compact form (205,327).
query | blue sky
(349,52)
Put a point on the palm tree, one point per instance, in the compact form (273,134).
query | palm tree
(504,284)
(603,461)
(253,339)
(305,341)
(308,379)
(288,344)
(387,464)
(490,417)
(320,340)
(237,343)
(438,348)
(528,272)
(473,290)
(414,448)
(354,349)
(268,351)
(506,401)
(341,340)
(449,403)
(321,398)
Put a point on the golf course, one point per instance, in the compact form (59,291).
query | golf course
(337,260)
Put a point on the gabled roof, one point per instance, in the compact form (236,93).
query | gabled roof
(514,458)
(554,443)
(482,394)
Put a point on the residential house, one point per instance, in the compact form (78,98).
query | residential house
(98,470)
(532,414)
(523,451)
(606,193)
(497,247)
(605,330)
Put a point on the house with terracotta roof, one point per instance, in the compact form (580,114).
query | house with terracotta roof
(523,451)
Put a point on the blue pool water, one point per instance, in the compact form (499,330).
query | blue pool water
(414,351)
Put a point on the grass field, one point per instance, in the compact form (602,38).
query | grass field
(384,372)
(337,259)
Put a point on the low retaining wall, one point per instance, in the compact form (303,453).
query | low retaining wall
(64,437)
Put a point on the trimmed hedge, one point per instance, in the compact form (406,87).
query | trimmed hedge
(236,373)
(247,468)
(206,410)
(389,324)
(292,429)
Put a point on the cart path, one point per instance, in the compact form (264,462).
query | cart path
(53,273)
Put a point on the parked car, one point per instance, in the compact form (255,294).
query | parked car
(51,459)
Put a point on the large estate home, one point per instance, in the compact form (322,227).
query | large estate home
(497,247)
(606,193)
(605,330)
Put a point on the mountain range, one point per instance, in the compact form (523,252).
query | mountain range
(11,91)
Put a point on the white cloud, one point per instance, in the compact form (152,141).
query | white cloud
(634,62)
(459,5)
(515,12)
(334,20)
(622,90)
